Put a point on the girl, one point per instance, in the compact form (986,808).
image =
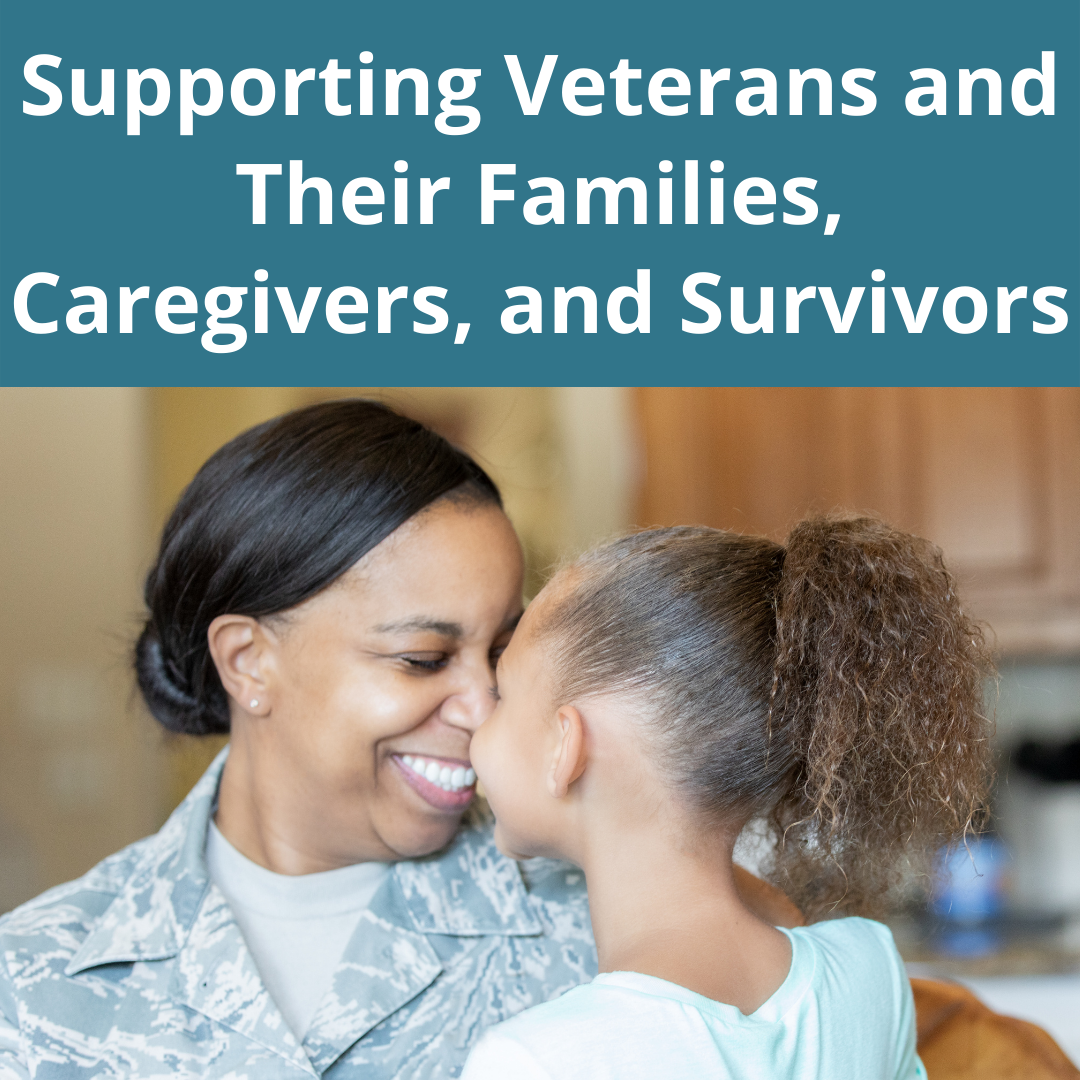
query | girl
(672,686)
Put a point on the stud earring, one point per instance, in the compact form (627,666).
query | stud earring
(254,702)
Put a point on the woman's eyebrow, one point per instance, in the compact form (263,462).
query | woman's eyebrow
(420,623)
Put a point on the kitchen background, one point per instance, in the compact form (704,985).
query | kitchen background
(88,475)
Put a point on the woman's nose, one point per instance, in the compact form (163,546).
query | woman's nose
(471,701)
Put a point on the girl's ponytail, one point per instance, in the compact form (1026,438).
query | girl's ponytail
(877,691)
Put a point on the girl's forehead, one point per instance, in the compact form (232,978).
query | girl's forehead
(559,586)
(535,621)
(541,605)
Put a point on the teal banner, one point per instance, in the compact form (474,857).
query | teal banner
(697,192)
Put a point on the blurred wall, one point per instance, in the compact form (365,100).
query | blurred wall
(601,462)
(80,772)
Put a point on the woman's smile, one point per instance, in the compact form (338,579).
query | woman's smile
(445,783)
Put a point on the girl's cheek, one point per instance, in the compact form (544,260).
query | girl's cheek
(495,764)
(479,753)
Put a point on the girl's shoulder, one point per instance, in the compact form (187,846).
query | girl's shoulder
(852,930)
(847,950)
(858,991)
(847,997)
(592,1031)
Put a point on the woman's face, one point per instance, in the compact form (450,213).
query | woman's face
(377,684)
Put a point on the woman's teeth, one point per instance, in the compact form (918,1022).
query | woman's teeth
(440,775)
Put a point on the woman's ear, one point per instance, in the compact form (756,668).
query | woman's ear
(568,761)
(240,648)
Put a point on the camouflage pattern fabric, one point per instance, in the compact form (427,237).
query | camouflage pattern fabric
(139,970)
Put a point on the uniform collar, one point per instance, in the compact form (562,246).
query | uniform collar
(468,890)
(155,908)
(168,908)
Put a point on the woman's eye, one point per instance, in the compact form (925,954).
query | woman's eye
(426,663)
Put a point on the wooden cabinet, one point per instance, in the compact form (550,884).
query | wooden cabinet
(990,474)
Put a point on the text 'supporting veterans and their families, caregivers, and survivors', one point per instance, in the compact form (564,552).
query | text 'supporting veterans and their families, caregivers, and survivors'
(847,193)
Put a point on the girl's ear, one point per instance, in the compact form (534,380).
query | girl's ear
(568,761)
(239,647)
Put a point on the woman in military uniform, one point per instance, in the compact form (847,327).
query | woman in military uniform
(333,590)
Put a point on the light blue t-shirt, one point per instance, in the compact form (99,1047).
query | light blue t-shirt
(844,1012)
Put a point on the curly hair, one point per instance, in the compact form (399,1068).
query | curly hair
(833,688)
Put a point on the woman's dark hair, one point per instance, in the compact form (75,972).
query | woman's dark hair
(833,688)
(274,517)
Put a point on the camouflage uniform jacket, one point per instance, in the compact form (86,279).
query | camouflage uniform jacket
(138,969)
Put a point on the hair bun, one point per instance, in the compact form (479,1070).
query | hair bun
(172,706)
